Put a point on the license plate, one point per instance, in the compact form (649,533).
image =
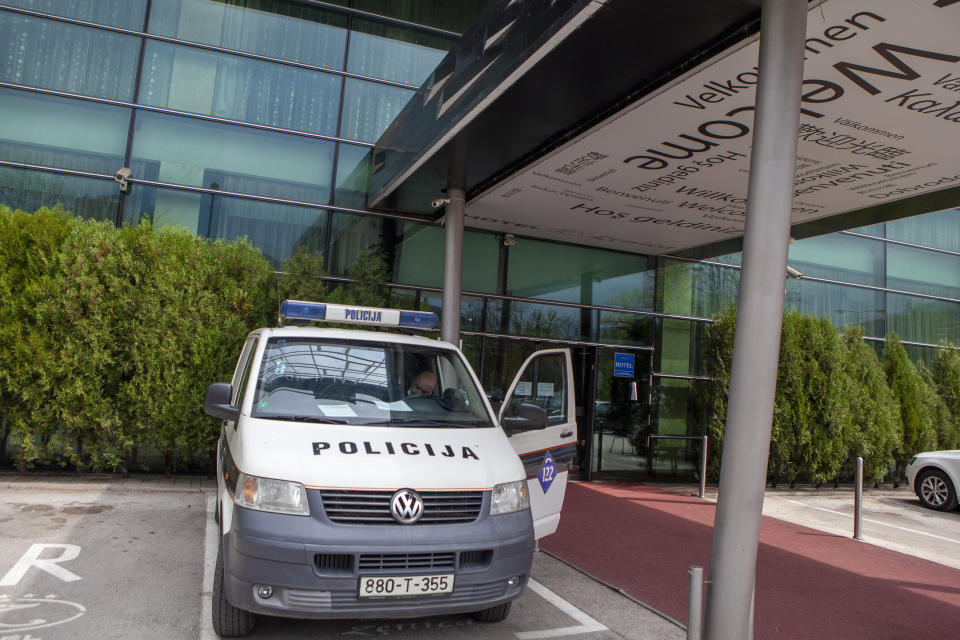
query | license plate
(381,587)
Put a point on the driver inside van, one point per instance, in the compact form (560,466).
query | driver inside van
(423,384)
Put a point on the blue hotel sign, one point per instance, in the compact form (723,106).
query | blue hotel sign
(623,365)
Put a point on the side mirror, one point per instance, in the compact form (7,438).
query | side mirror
(217,402)
(528,418)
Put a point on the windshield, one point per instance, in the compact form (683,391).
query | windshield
(365,383)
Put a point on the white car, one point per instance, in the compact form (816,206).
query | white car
(934,476)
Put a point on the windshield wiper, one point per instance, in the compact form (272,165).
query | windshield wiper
(302,418)
(411,422)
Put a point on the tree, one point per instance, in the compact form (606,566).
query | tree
(945,376)
(912,393)
(874,411)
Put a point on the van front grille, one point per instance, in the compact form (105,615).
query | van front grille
(373,507)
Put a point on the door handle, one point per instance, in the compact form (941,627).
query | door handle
(566,434)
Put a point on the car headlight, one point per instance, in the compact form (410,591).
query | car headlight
(912,460)
(509,497)
(266,494)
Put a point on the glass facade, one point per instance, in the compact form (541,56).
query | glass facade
(214,101)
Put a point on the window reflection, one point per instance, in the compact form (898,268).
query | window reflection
(285,30)
(369,108)
(65,57)
(276,229)
(127,14)
(237,88)
(61,132)
(84,197)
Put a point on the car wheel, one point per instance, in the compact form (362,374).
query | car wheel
(228,620)
(936,491)
(494,614)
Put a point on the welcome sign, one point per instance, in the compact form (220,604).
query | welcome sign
(880,123)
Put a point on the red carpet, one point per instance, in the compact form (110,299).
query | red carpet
(810,584)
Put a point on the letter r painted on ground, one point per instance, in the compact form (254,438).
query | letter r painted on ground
(51,565)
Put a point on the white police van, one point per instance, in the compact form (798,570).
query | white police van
(365,474)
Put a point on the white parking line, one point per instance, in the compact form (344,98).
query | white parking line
(883,524)
(209,565)
(587,624)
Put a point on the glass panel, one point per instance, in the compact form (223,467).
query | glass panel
(542,385)
(541,320)
(922,271)
(839,257)
(381,50)
(188,79)
(127,14)
(502,360)
(923,320)
(369,108)
(54,55)
(351,235)
(60,132)
(871,230)
(353,176)
(234,158)
(679,409)
(626,329)
(621,419)
(842,304)
(442,14)
(940,230)
(287,30)
(420,258)
(696,289)
(276,229)
(681,349)
(84,197)
(584,275)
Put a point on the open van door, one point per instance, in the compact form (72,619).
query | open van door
(538,414)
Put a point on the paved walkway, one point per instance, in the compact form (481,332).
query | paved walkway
(810,584)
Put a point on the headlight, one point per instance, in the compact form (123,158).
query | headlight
(265,494)
(912,460)
(509,497)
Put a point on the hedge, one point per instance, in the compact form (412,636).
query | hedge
(836,400)
(109,337)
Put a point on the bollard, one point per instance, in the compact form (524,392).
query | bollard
(858,501)
(703,468)
(695,608)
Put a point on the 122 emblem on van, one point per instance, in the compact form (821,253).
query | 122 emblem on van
(388,448)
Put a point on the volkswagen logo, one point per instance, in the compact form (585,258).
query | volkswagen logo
(406,507)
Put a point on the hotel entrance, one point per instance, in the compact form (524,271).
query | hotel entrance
(621,420)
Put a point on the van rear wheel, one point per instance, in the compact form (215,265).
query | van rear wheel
(228,620)
(494,614)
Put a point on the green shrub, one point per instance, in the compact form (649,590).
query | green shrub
(916,408)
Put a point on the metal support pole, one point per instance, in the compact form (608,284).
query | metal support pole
(695,608)
(858,502)
(733,559)
(452,266)
(703,468)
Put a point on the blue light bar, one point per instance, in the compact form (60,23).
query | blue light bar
(315,311)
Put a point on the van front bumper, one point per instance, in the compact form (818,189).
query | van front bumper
(314,567)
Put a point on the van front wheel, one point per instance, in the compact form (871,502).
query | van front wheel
(494,614)
(228,620)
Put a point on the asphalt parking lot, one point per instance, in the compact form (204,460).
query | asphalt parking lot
(87,558)
(112,558)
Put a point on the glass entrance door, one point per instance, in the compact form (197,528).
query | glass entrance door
(621,421)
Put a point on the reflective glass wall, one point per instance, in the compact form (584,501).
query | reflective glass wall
(212,102)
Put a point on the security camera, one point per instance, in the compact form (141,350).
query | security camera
(439,202)
(509,240)
(121,176)
(793,273)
